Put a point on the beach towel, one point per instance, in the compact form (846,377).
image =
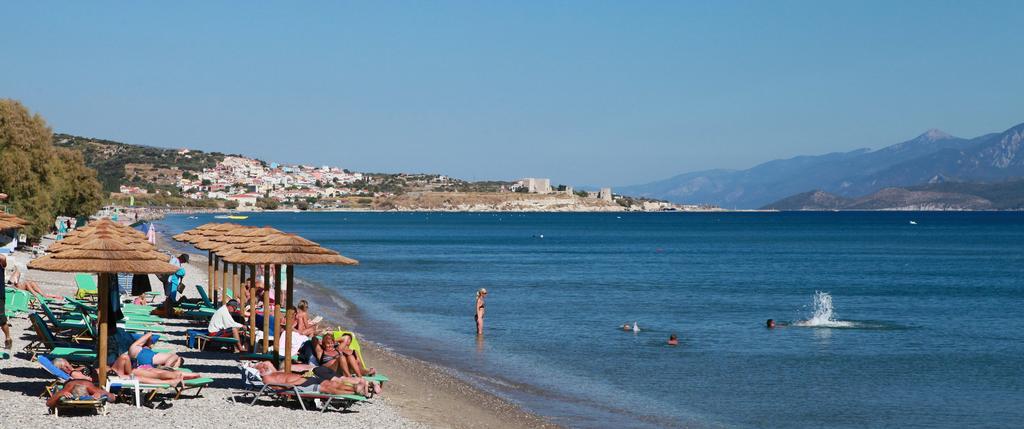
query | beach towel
(140,284)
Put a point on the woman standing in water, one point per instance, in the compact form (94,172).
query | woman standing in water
(480,295)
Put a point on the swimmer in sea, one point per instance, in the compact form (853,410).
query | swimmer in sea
(770,323)
(626,327)
(673,340)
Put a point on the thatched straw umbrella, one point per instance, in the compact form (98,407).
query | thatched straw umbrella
(104,255)
(290,250)
(14,219)
(205,233)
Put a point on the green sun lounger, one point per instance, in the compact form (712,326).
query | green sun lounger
(86,285)
(45,343)
(17,302)
(68,325)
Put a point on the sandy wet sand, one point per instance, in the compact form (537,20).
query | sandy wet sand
(419,395)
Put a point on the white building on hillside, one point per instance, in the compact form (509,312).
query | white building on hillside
(536,186)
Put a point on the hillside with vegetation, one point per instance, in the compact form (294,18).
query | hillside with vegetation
(146,167)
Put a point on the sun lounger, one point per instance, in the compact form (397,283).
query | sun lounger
(86,285)
(202,340)
(17,302)
(82,403)
(45,343)
(68,325)
(256,388)
(61,377)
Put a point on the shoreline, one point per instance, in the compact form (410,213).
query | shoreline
(420,390)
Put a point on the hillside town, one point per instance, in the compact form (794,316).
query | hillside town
(248,184)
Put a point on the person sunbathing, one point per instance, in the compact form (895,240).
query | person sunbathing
(351,359)
(331,385)
(149,374)
(78,389)
(75,372)
(19,280)
(341,360)
(142,353)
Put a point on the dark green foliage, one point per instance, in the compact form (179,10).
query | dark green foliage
(41,181)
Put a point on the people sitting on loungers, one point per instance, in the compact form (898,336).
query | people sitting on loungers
(340,360)
(77,389)
(339,357)
(331,385)
(223,325)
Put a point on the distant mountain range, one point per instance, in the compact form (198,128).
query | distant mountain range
(938,196)
(931,158)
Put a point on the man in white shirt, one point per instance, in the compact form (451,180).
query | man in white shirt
(223,325)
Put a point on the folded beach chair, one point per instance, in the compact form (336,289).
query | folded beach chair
(256,388)
(45,343)
(86,285)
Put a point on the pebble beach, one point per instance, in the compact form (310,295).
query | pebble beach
(419,395)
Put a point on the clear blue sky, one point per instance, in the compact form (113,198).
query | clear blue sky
(583,92)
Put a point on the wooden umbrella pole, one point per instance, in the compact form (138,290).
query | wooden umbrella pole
(104,309)
(224,281)
(277,307)
(234,282)
(288,320)
(252,308)
(266,308)
(209,273)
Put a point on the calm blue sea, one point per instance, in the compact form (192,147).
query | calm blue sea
(926,330)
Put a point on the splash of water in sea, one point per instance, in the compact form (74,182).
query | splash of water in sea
(824,314)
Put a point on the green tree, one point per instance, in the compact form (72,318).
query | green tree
(41,182)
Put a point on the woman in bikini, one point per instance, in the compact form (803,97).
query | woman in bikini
(344,361)
(480,295)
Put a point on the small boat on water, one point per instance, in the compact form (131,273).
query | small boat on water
(233,217)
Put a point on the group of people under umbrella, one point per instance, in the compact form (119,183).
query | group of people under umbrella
(236,255)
